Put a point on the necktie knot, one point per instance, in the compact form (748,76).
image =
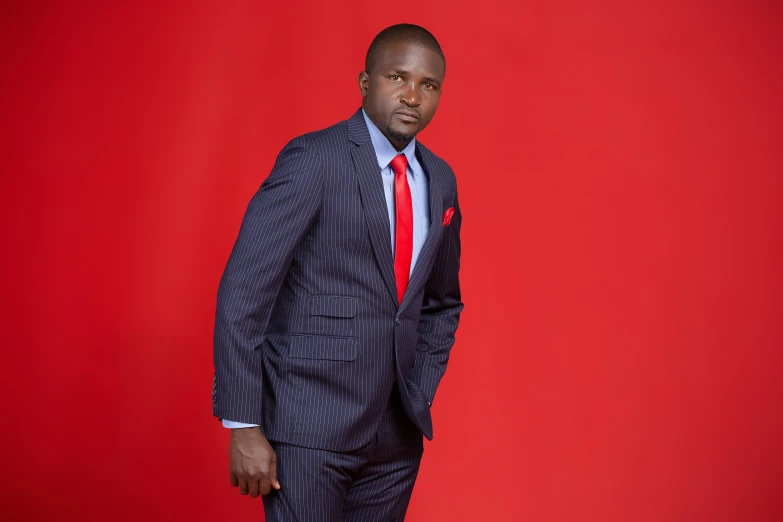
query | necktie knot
(399,164)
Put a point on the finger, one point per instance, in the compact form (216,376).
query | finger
(254,488)
(264,486)
(234,480)
(243,486)
(273,473)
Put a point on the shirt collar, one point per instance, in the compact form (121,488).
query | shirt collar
(384,150)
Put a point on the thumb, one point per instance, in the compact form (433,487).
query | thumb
(273,473)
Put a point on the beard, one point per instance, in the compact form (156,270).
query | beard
(399,137)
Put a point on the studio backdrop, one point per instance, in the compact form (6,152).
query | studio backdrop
(619,171)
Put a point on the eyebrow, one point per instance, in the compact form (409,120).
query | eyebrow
(426,78)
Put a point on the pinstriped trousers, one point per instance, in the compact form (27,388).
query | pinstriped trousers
(371,484)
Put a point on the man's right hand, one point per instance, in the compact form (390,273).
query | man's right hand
(252,462)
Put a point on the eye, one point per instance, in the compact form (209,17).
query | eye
(428,85)
(395,77)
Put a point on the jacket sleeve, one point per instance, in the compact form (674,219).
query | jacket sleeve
(440,311)
(277,219)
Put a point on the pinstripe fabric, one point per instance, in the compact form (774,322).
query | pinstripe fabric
(371,484)
(308,334)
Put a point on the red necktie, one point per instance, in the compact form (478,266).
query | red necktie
(403,231)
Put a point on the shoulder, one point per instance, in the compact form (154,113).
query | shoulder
(322,140)
(308,151)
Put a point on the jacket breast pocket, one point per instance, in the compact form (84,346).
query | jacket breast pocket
(333,315)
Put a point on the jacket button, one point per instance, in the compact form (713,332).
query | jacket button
(397,321)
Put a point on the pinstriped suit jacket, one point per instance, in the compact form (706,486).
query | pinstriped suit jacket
(308,333)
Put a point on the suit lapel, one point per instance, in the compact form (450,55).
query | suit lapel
(373,199)
(428,250)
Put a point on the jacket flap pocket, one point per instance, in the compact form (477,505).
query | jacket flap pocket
(320,347)
(333,305)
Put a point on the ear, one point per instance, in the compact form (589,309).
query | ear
(364,83)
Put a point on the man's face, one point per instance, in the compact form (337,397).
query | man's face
(402,91)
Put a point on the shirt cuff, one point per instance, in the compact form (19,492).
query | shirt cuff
(232,424)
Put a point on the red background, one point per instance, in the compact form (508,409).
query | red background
(619,357)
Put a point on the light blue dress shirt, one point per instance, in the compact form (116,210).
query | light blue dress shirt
(420,196)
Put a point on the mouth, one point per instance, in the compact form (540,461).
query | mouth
(407,116)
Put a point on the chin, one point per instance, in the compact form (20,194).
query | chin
(405,133)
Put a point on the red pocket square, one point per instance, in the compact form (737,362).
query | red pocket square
(447,216)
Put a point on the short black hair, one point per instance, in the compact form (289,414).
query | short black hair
(405,33)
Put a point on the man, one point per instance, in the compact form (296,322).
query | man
(338,307)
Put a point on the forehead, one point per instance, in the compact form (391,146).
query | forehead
(414,58)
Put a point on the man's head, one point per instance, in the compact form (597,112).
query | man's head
(401,83)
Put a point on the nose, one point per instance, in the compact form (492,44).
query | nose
(411,96)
